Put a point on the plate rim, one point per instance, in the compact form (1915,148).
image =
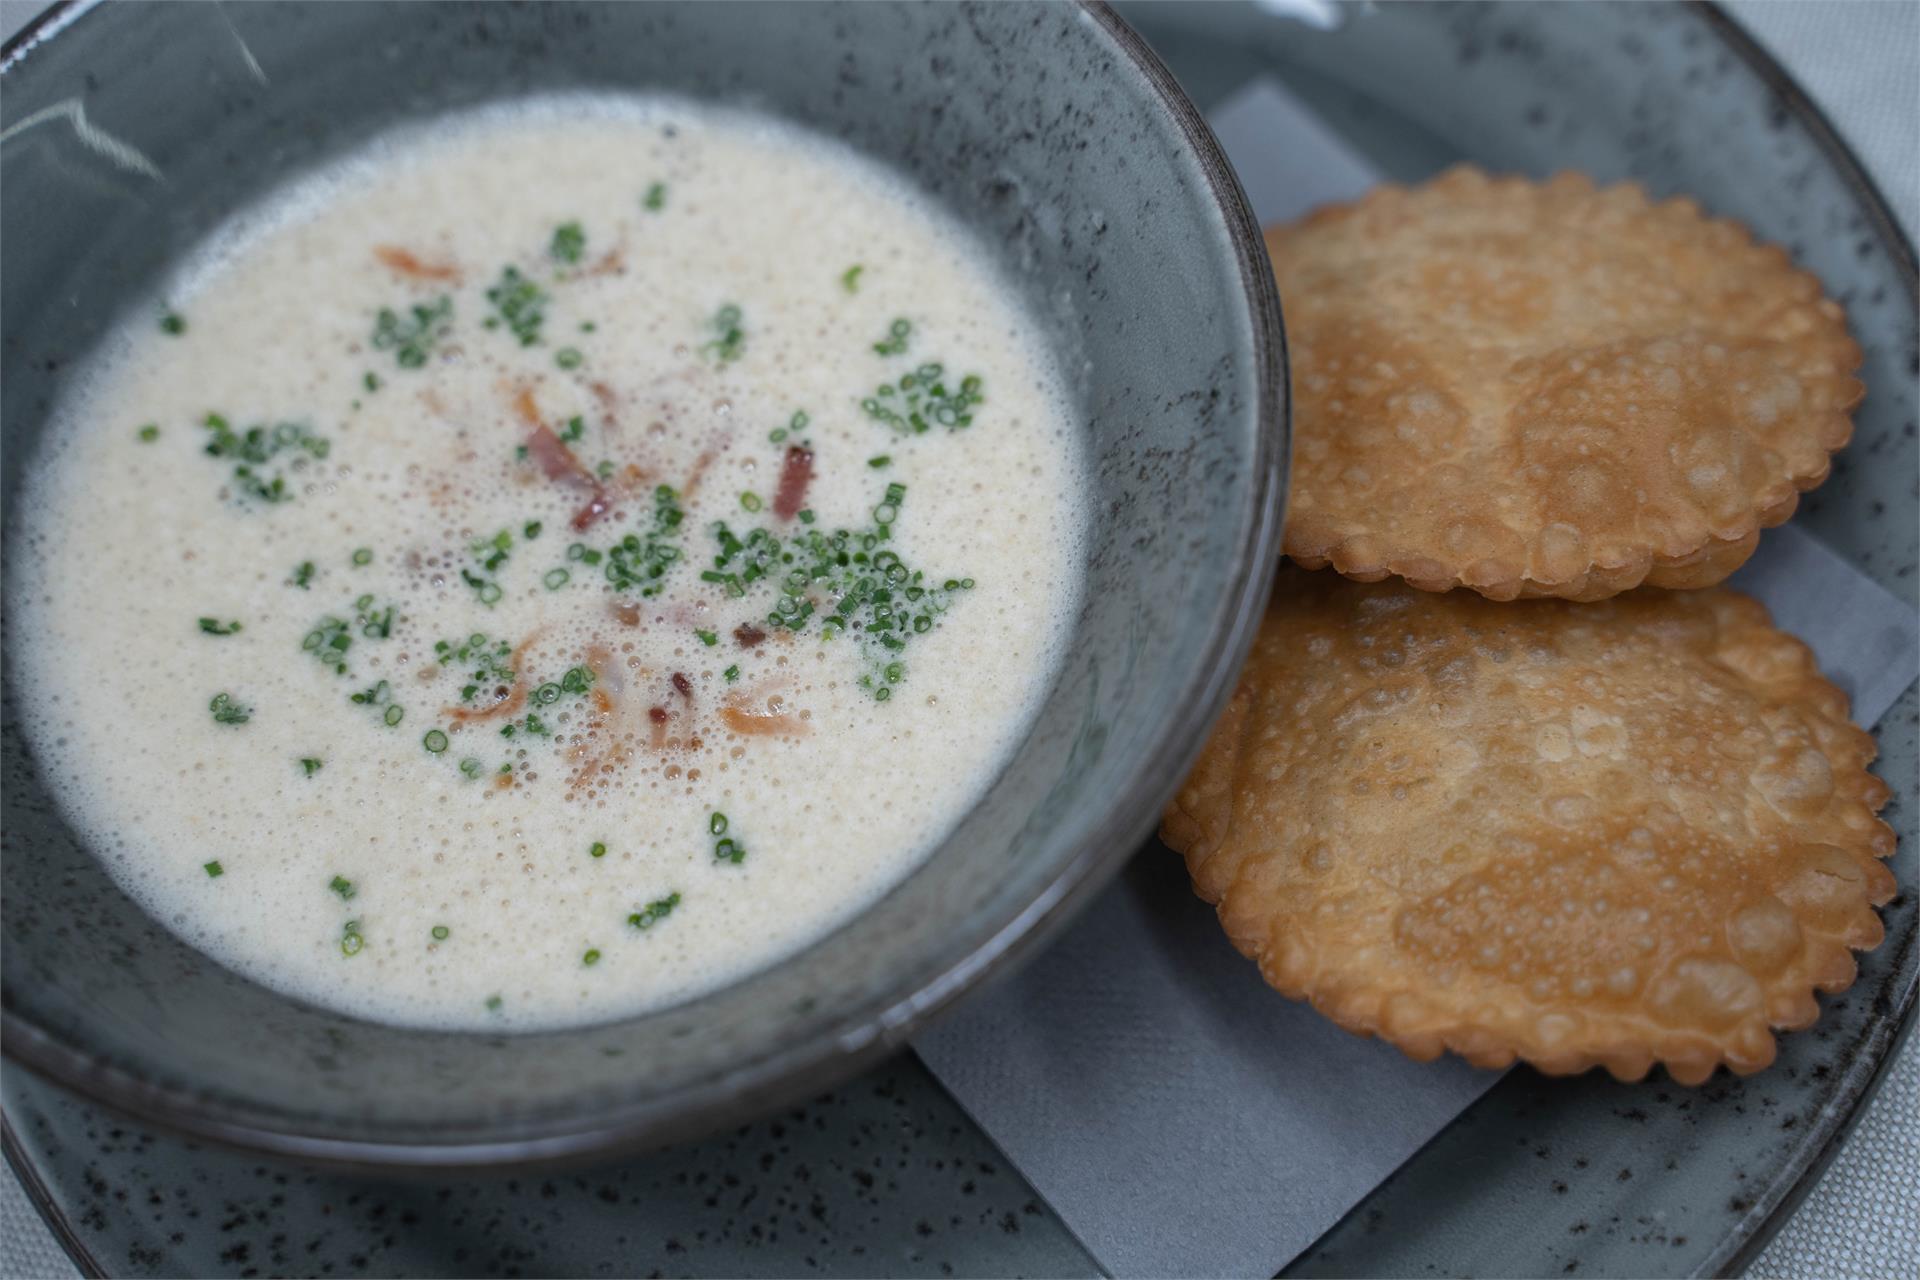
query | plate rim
(1885,1036)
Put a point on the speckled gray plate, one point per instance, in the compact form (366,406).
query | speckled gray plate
(1543,1176)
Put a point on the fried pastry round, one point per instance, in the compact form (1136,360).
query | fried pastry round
(1610,834)
(1548,389)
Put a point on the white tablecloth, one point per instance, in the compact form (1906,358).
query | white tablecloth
(1859,60)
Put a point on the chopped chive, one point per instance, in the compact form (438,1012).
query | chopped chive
(311,764)
(214,627)
(371,381)
(592,956)
(568,357)
(597,849)
(569,241)
(173,324)
(412,337)
(440,933)
(149,433)
(656,197)
(708,638)
(344,887)
(729,339)
(806,515)
(350,940)
(303,575)
(532,529)
(879,461)
(493,1004)
(556,579)
(850,278)
(732,673)
(750,500)
(654,912)
(518,303)
(227,711)
(471,767)
(717,824)
(213,869)
(394,714)
(254,447)
(895,343)
(435,741)
(363,556)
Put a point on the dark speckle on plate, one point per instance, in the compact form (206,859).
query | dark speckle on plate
(865,1180)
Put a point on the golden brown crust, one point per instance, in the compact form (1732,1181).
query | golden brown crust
(1608,834)
(1548,389)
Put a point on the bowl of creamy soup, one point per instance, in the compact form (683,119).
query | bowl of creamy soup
(575,572)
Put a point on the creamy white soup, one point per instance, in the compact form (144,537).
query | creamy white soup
(556,563)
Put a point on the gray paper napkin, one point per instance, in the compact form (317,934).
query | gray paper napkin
(1181,1118)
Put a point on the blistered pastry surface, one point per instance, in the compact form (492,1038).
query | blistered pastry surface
(1549,389)
(1609,834)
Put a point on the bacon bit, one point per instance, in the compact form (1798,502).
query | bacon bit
(746,635)
(627,614)
(747,722)
(608,398)
(597,750)
(606,671)
(795,474)
(405,263)
(598,505)
(657,714)
(526,406)
(699,471)
(557,462)
(613,260)
(509,705)
(510,702)
(683,686)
